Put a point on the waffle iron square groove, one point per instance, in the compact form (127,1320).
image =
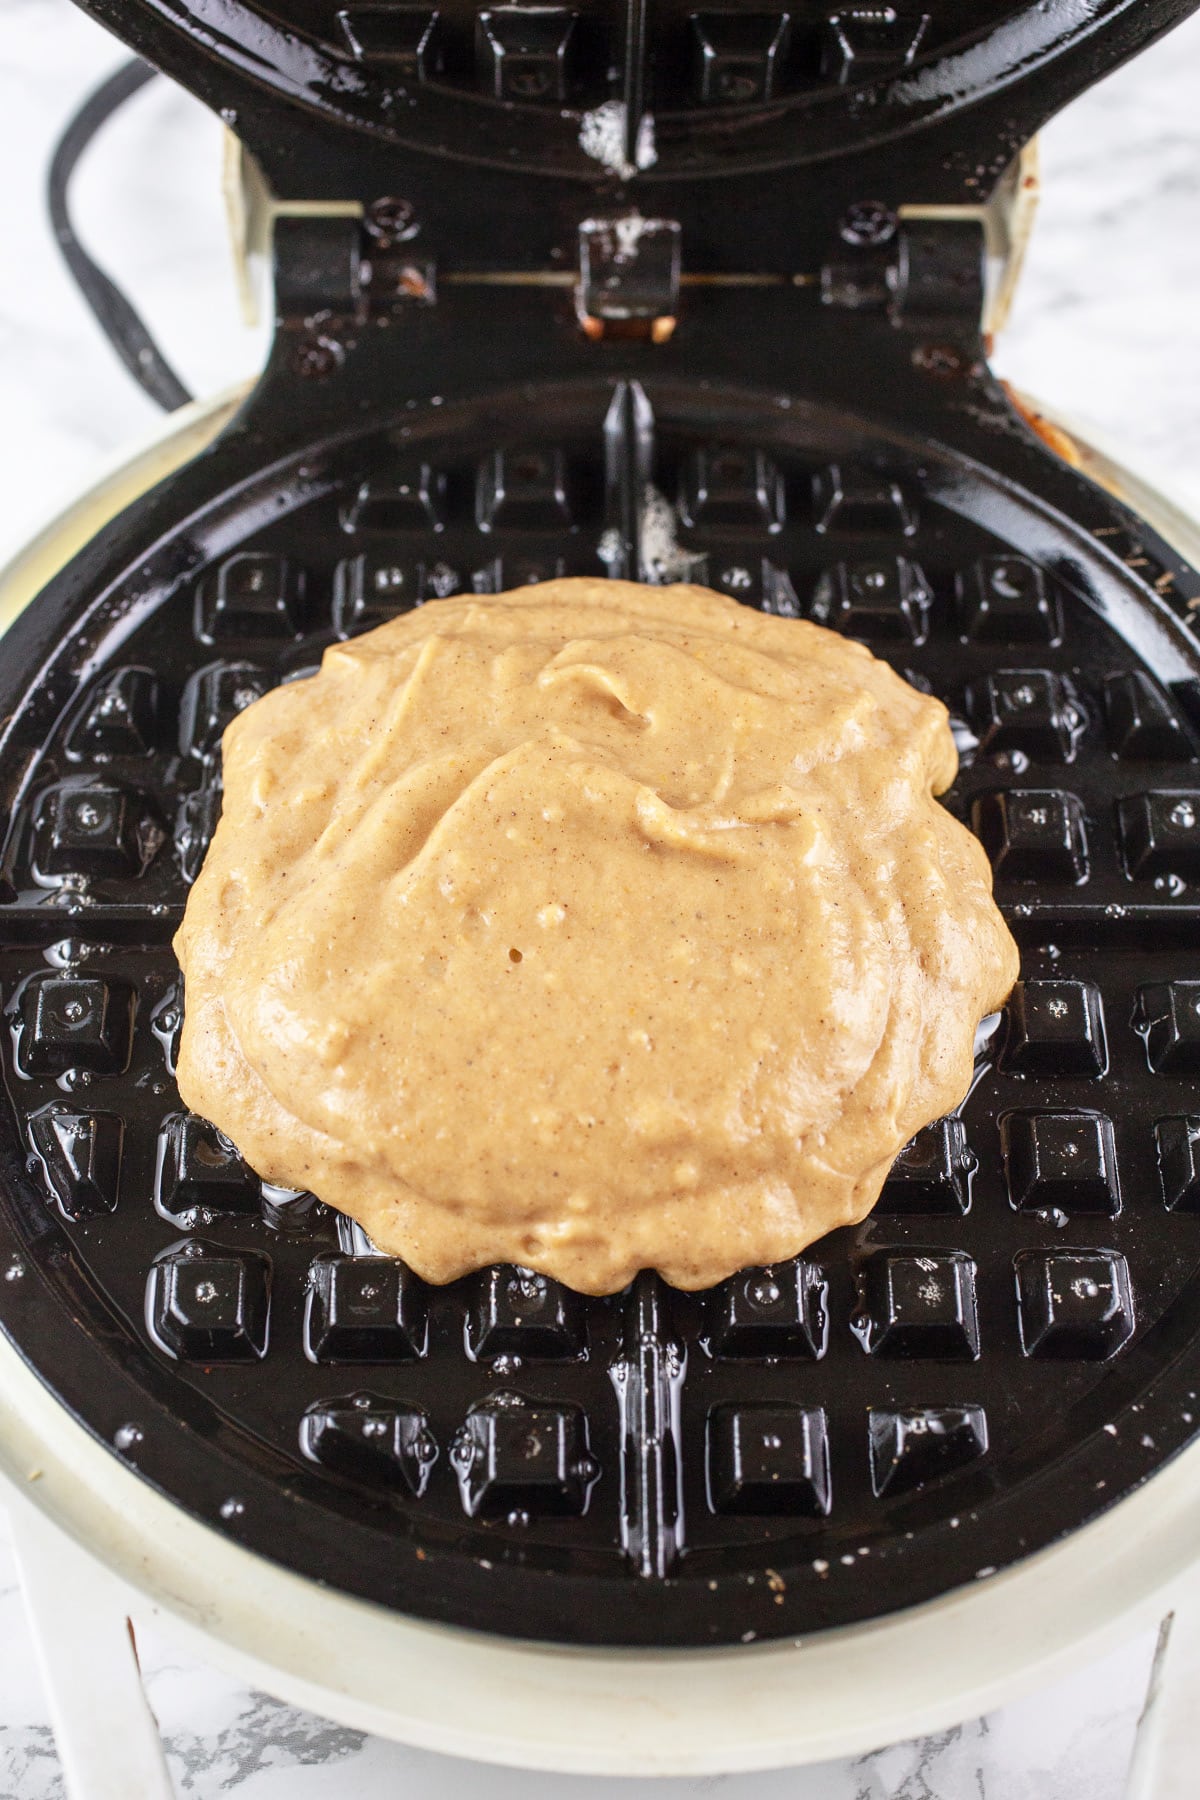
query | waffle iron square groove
(1009,1343)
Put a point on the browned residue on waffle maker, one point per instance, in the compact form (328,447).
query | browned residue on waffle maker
(590,927)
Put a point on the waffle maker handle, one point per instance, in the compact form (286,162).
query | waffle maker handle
(108,1739)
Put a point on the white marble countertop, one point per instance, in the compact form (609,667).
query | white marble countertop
(1106,328)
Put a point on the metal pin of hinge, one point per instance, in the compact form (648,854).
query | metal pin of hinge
(629,270)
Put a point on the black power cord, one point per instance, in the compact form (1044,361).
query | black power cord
(115,316)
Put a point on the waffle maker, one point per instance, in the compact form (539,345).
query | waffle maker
(661,293)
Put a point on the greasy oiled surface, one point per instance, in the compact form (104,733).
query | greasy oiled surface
(591,927)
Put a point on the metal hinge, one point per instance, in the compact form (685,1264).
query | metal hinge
(921,272)
(929,264)
(335,279)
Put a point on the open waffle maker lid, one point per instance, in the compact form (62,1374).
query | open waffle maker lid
(662,293)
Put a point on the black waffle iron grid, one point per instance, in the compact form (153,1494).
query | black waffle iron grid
(1011,1342)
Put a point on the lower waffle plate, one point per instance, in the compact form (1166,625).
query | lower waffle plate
(1009,1343)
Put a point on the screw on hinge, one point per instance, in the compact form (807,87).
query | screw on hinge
(867,222)
(315,358)
(942,359)
(391,221)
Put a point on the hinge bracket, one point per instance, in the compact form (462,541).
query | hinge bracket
(925,274)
